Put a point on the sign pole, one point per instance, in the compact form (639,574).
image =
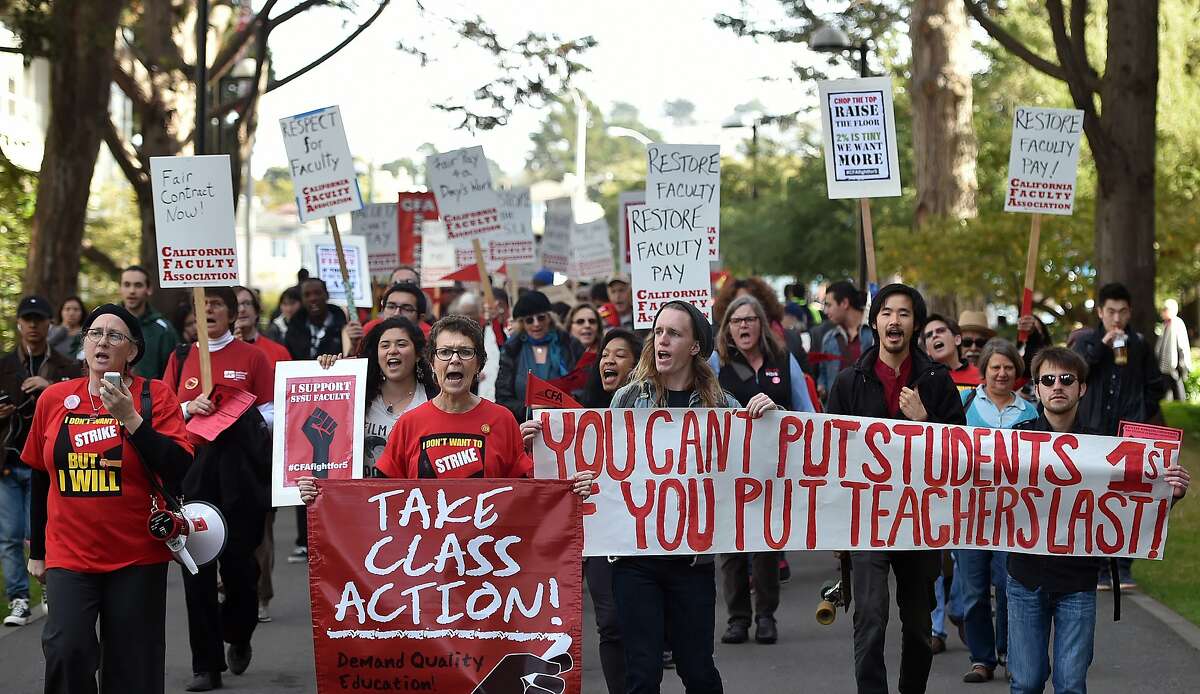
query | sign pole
(337,241)
(864,206)
(1035,234)
(206,382)
(484,279)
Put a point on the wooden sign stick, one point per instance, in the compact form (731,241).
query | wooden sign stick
(864,206)
(206,382)
(486,281)
(1035,234)
(337,242)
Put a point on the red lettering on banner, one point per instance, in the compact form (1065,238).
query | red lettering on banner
(1081,511)
(691,439)
(844,427)
(717,438)
(1135,531)
(1061,444)
(700,540)
(791,430)
(676,486)
(1119,541)
(1006,501)
(560,446)
(1036,438)
(746,490)
(1029,495)
(639,513)
(1052,545)
(1133,453)
(960,440)
(876,429)
(943,475)
(1008,467)
(908,432)
(960,516)
(856,490)
(908,510)
(620,474)
(654,467)
(981,459)
(787,514)
(590,418)
(983,510)
(878,512)
(817,469)
(1160,524)
(943,535)
(810,536)
(744,415)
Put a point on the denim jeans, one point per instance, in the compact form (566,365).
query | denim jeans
(942,610)
(14,529)
(657,594)
(1031,615)
(980,570)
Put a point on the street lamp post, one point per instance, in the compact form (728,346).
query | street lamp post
(828,39)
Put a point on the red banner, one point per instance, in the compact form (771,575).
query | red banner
(414,208)
(542,393)
(447,586)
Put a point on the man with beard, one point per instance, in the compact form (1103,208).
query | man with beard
(894,380)
(975,333)
(942,338)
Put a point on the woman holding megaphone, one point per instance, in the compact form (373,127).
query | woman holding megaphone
(102,447)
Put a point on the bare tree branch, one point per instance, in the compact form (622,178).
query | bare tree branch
(227,54)
(100,259)
(130,86)
(275,84)
(1082,93)
(126,158)
(1079,10)
(303,7)
(1010,42)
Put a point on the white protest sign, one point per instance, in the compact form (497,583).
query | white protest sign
(328,269)
(624,201)
(193,221)
(669,256)
(704,481)
(468,205)
(688,176)
(556,235)
(1043,160)
(378,224)
(515,243)
(320,162)
(437,254)
(318,425)
(591,250)
(859,128)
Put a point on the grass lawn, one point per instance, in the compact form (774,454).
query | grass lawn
(1172,581)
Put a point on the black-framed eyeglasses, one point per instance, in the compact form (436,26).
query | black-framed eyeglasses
(1048,380)
(536,318)
(743,320)
(95,335)
(400,308)
(973,342)
(447,353)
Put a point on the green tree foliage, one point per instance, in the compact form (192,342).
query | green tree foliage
(16,213)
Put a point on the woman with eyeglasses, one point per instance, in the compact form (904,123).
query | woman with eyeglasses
(585,325)
(537,346)
(753,365)
(102,452)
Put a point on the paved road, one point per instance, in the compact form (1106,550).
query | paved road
(1139,653)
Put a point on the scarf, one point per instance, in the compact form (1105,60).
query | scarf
(555,366)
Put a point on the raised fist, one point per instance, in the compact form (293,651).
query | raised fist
(318,429)
(525,673)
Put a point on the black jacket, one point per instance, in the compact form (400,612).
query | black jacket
(299,336)
(14,369)
(858,392)
(1114,393)
(507,392)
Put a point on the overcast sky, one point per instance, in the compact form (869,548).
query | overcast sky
(648,51)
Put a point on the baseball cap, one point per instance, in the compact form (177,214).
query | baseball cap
(619,277)
(34,305)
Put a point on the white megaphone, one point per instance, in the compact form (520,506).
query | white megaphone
(195,537)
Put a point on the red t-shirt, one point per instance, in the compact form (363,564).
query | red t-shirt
(272,350)
(893,382)
(238,364)
(99,495)
(429,443)
(966,377)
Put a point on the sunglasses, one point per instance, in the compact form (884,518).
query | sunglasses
(1048,380)
(584,321)
(973,341)
(536,318)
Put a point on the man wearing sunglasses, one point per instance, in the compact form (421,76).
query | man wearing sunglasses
(975,334)
(1046,590)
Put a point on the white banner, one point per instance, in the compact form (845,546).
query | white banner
(379,225)
(1043,160)
(859,128)
(319,159)
(688,177)
(193,221)
(674,481)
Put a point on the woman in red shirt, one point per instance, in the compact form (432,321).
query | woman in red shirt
(457,434)
(92,446)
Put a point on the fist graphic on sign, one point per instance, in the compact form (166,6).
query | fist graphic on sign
(319,429)
(526,673)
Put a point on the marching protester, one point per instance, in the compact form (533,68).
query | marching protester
(66,338)
(894,380)
(289,305)
(24,375)
(585,325)
(620,295)
(941,338)
(537,346)
(1124,382)
(1174,351)
(402,299)
(848,336)
(753,366)
(994,404)
(89,541)
(232,473)
(974,333)
(755,287)
(670,602)
(159,335)
(398,380)
(1051,593)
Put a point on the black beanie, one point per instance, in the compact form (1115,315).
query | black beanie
(918,302)
(531,304)
(700,325)
(131,323)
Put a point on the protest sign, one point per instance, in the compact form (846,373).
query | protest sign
(669,259)
(329,268)
(515,243)
(318,424)
(556,235)
(591,251)
(446,586)
(414,209)
(468,205)
(624,201)
(674,481)
(859,128)
(320,162)
(378,224)
(438,257)
(193,221)
(688,177)
(1043,159)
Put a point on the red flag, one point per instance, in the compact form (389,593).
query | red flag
(542,393)
(470,273)
(577,379)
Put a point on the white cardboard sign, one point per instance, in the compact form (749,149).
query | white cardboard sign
(437,254)
(379,225)
(320,162)
(328,268)
(669,256)
(467,203)
(556,235)
(859,128)
(1043,160)
(624,201)
(591,250)
(193,221)
(688,176)
(515,243)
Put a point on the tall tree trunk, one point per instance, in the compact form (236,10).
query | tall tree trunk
(81,69)
(944,145)
(1124,242)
